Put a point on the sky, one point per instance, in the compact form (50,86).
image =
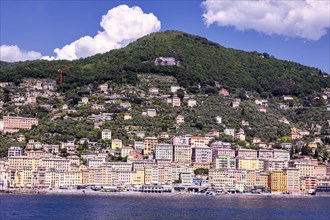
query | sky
(294,30)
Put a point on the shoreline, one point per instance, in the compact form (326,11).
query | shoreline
(172,194)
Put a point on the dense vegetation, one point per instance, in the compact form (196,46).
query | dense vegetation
(201,63)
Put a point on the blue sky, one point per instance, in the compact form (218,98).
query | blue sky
(295,30)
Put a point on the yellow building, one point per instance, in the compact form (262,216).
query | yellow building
(164,174)
(138,177)
(26,177)
(107,174)
(201,165)
(56,163)
(248,164)
(127,116)
(277,181)
(197,141)
(116,144)
(182,153)
(251,177)
(151,174)
(19,162)
(95,175)
(305,168)
(122,178)
(262,179)
(149,144)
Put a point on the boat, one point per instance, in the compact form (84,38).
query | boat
(210,193)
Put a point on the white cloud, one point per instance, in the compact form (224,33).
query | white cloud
(121,25)
(308,19)
(12,53)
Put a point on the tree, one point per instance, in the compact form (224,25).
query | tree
(305,151)
(242,94)
(291,152)
(64,150)
(325,155)
(241,143)
(201,171)
(85,145)
(6,97)
(180,93)
(316,154)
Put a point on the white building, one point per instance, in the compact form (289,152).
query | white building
(106,134)
(164,152)
(174,89)
(14,151)
(230,132)
(153,91)
(186,178)
(125,151)
(151,113)
(84,100)
(138,145)
(192,103)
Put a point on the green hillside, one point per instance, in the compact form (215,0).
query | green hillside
(202,62)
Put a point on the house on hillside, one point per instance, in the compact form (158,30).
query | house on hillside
(151,113)
(104,87)
(165,61)
(153,91)
(230,132)
(224,92)
(84,100)
(328,107)
(218,119)
(245,123)
(127,116)
(176,102)
(262,102)
(235,103)
(192,103)
(284,106)
(261,109)
(174,89)
(179,119)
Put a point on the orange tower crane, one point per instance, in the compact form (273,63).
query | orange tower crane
(61,73)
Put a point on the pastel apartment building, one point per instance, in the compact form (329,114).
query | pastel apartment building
(201,154)
(278,181)
(197,141)
(293,180)
(246,153)
(164,152)
(224,161)
(182,153)
(149,144)
(14,124)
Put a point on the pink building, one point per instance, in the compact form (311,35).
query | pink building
(320,171)
(14,124)
(224,92)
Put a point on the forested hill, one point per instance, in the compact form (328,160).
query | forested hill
(201,62)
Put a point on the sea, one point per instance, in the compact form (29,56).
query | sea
(146,206)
